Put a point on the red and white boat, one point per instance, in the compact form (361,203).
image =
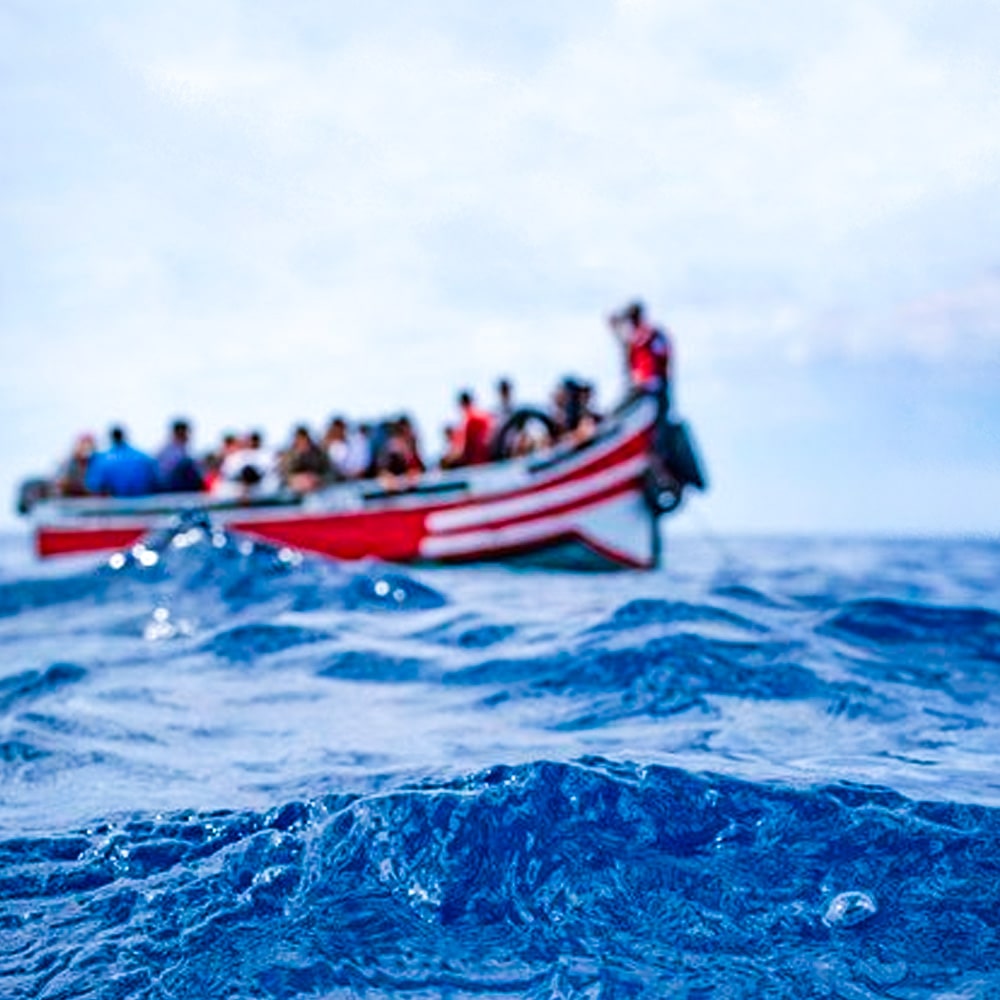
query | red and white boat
(590,505)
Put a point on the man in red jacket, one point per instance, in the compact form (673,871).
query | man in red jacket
(647,351)
(648,357)
(470,443)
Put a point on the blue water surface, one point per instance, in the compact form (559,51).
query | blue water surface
(771,769)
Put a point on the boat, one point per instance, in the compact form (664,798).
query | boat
(590,504)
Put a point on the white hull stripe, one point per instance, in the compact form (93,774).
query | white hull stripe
(536,503)
(525,533)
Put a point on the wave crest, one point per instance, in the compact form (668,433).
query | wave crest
(625,878)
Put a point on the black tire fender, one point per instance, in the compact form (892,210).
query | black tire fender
(514,425)
(662,490)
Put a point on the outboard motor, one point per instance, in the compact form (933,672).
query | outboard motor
(675,467)
(677,449)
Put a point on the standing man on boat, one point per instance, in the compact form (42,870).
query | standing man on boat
(648,354)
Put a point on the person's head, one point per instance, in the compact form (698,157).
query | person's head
(255,439)
(84,446)
(634,312)
(301,438)
(505,390)
(181,431)
(117,435)
(465,399)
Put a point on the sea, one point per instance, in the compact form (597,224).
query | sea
(770,768)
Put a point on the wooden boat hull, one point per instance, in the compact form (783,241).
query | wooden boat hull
(586,506)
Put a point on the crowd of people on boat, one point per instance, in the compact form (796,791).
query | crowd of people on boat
(386,450)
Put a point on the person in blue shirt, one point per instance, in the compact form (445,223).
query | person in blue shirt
(121,471)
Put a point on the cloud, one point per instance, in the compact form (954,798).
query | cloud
(235,206)
(636,149)
(963,321)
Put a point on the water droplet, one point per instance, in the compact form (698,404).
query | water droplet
(850,908)
(268,875)
(162,627)
(145,557)
(185,539)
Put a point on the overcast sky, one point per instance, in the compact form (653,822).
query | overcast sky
(254,213)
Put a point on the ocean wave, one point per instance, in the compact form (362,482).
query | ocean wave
(652,611)
(240,574)
(32,684)
(812,808)
(902,623)
(250,641)
(25,595)
(607,878)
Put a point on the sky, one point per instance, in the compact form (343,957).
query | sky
(256,214)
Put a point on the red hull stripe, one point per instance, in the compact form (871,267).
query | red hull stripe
(598,461)
(530,505)
(393,536)
(68,541)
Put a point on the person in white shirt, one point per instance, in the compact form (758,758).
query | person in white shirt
(250,468)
